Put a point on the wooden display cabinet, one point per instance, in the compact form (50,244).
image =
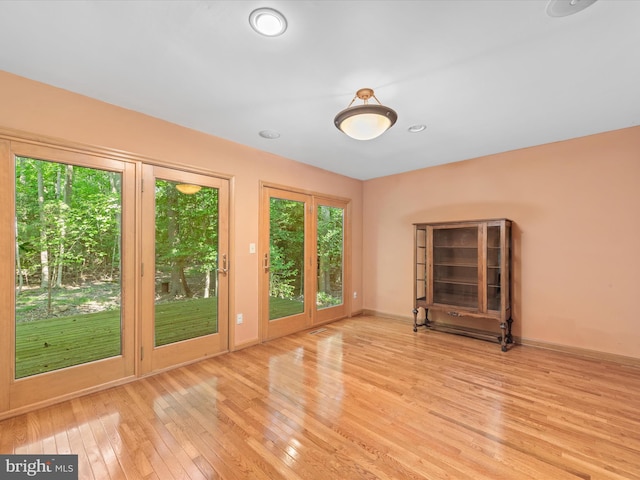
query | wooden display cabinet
(464,270)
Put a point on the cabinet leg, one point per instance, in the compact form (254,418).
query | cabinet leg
(415,318)
(503,338)
(509,336)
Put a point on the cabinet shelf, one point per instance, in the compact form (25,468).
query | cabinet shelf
(449,264)
(463,269)
(455,282)
(457,299)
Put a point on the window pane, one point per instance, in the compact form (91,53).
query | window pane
(186,299)
(68,246)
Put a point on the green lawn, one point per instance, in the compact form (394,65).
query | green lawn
(283,307)
(54,343)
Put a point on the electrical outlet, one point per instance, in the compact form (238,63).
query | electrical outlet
(355,294)
(239,319)
(252,248)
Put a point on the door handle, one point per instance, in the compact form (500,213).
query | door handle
(224,268)
(266,262)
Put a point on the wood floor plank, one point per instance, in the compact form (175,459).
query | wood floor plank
(62,416)
(366,398)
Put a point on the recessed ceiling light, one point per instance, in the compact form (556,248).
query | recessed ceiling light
(563,8)
(268,22)
(417,128)
(270,134)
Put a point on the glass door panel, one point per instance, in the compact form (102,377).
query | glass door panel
(286,257)
(186,260)
(331,244)
(330,254)
(185,267)
(68,265)
(455,266)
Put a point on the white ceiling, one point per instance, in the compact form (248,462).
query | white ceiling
(484,76)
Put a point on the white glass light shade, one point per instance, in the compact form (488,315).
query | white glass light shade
(365,122)
(188,188)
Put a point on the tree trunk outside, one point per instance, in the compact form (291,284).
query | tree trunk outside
(18,266)
(185,286)
(207,283)
(114,178)
(66,199)
(324,261)
(18,262)
(175,286)
(44,254)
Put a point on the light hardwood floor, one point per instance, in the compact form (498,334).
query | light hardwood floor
(364,398)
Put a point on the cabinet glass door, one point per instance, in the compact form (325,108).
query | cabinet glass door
(494,273)
(455,266)
(421,264)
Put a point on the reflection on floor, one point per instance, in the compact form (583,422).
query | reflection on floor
(365,398)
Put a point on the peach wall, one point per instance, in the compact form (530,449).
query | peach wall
(576,208)
(40,109)
(574,203)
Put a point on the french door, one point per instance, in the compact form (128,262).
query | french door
(109,269)
(68,321)
(303,244)
(185,263)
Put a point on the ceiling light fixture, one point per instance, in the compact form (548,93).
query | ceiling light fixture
(368,121)
(417,128)
(268,22)
(563,8)
(269,134)
(188,188)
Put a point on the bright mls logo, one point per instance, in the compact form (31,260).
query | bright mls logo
(51,467)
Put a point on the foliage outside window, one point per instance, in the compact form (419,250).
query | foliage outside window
(68,248)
